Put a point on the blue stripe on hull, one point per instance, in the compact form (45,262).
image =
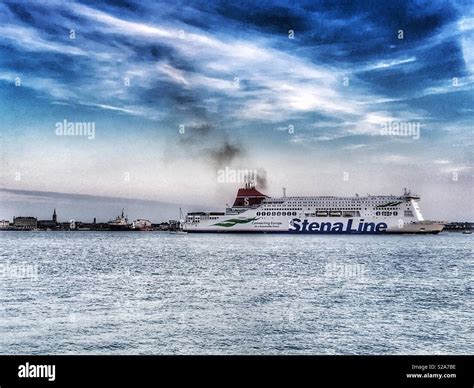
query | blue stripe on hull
(305,232)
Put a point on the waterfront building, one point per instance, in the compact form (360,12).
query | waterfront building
(25,223)
(49,224)
(141,224)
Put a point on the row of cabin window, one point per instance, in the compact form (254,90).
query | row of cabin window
(276,213)
(386,213)
(326,208)
(294,213)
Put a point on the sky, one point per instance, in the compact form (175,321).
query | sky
(309,94)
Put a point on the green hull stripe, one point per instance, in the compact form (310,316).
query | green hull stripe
(234,221)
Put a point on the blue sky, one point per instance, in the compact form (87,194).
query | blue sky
(237,77)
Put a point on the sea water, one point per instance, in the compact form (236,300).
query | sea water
(159,293)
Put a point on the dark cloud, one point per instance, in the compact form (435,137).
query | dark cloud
(35,16)
(156,52)
(21,12)
(125,4)
(358,31)
(443,62)
(82,207)
(277,19)
(119,5)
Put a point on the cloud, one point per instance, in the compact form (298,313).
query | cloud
(28,39)
(255,77)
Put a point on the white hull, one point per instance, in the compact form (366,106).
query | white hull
(314,225)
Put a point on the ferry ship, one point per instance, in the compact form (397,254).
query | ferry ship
(254,211)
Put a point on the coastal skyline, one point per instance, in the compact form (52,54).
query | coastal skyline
(365,98)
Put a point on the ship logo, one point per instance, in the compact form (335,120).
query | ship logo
(235,221)
(389,204)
